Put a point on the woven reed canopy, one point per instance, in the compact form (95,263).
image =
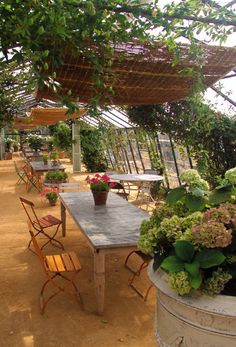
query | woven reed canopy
(145,75)
(45,116)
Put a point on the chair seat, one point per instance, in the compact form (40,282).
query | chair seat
(64,262)
(47,221)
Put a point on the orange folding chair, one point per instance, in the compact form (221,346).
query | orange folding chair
(20,173)
(145,260)
(40,224)
(32,180)
(56,266)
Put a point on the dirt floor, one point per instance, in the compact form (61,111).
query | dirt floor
(127,321)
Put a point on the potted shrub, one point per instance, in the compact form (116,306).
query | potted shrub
(54,157)
(192,237)
(35,141)
(16,145)
(45,159)
(56,177)
(51,194)
(62,138)
(49,142)
(8,148)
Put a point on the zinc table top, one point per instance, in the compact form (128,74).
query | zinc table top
(116,224)
(39,166)
(136,177)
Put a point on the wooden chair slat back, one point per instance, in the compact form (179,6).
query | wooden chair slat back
(30,211)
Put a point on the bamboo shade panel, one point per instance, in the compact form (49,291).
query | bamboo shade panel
(46,116)
(144,75)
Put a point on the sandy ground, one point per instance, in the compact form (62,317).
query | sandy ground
(127,321)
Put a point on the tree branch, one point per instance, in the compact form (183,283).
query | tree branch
(148,13)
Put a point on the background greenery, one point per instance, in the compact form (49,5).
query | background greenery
(209,135)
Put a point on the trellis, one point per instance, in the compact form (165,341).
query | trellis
(139,153)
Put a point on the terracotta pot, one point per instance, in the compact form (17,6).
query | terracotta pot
(100,198)
(8,155)
(52,202)
(62,154)
(194,320)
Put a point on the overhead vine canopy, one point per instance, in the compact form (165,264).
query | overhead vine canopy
(144,75)
(40,31)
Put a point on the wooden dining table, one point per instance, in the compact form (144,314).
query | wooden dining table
(109,228)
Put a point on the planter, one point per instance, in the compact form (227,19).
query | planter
(52,203)
(195,320)
(62,154)
(55,181)
(45,162)
(8,155)
(100,198)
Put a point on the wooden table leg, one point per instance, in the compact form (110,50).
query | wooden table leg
(63,218)
(99,279)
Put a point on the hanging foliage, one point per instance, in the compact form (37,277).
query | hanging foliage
(10,85)
(40,31)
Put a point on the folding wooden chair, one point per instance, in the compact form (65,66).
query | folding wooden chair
(119,189)
(56,266)
(21,174)
(145,260)
(31,180)
(40,224)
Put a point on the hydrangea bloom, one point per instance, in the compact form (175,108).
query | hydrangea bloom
(212,235)
(216,283)
(192,178)
(221,215)
(191,220)
(230,175)
(147,242)
(179,282)
(161,212)
(171,227)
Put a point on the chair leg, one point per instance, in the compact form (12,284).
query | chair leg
(126,262)
(144,295)
(52,239)
(77,298)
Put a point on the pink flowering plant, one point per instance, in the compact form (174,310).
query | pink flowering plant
(99,182)
(50,193)
(195,244)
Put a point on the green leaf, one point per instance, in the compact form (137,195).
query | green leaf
(192,268)
(184,250)
(196,280)
(209,258)
(175,195)
(197,191)
(218,196)
(172,264)
(195,203)
(158,259)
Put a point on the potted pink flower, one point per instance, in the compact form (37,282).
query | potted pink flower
(51,194)
(99,185)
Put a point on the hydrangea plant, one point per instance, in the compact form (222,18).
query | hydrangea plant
(195,244)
